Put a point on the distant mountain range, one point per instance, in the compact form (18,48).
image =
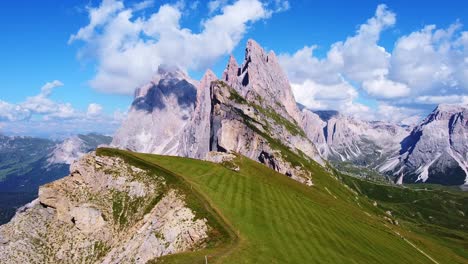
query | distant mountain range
(27,163)
(433,151)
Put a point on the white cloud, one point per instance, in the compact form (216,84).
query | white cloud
(396,114)
(94,110)
(97,17)
(442,99)
(39,104)
(46,90)
(429,66)
(129,48)
(194,5)
(12,112)
(281,5)
(358,58)
(384,88)
(41,116)
(339,96)
(432,61)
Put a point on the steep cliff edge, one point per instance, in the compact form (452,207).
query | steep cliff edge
(245,127)
(108,210)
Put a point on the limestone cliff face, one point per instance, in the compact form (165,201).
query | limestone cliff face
(436,151)
(194,141)
(260,75)
(245,127)
(106,211)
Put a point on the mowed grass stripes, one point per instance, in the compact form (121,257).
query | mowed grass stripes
(278,220)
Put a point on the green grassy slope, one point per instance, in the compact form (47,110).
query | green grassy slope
(277,220)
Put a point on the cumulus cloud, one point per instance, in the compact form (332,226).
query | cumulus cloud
(39,115)
(128,48)
(404,115)
(94,110)
(12,112)
(442,99)
(429,66)
(384,88)
(432,61)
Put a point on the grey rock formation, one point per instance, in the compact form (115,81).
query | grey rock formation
(245,127)
(102,213)
(436,151)
(160,111)
(194,141)
(27,162)
(260,75)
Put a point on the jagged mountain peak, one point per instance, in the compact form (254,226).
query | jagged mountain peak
(207,78)
(165,75)
(260,78)
(231,72)
(171,72)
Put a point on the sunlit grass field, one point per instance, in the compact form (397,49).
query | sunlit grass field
(270,218)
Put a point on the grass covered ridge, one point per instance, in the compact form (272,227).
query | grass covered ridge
(265,217)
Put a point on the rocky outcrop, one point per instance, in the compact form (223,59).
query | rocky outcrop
(106,211)
(195,139)
(436,151)
(245,127)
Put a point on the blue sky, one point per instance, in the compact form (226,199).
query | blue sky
(36,50)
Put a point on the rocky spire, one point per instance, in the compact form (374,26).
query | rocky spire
(194,141)
(261,75)
(207,78)
(231,72)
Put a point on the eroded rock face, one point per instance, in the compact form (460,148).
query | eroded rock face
(260,75)
(106,211)
(195,139)
(247,128)
(159,113)
(436,151)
